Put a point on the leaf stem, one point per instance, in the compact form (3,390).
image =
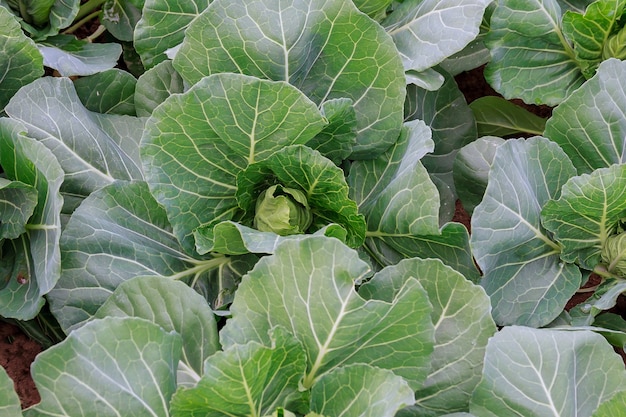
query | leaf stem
(201,267)
(81,22)
(88,8)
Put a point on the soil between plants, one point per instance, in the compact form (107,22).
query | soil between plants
(17,351)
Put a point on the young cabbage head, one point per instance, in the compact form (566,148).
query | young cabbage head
(284,211)
(614,254)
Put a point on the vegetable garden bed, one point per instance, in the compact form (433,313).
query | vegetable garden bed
(262,208)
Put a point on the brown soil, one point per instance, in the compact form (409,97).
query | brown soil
(17,352)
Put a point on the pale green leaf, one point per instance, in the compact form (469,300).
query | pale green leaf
(114,366)
(451,245)
(589,32)
(111,92)
(325,48)
(196,144)
(118,233)
(590,125)
(588,211)
(17,203)
(523,273)
(471,170)
(246,380)
(235,239)
(155,85)
(71,56)
(324,185)
(162,26)
(612,408)
(307,286)
(496,116)
(338,137)
(530,57)
(541,372)
(428,31)
(26,160)
(394,191)
(9,401)
(26,63)
(452,124)
(360,390)
(173,306)
(120,18)
(93,149)
(463,324)
(373,8)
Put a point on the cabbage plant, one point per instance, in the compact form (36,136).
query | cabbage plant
(253,213)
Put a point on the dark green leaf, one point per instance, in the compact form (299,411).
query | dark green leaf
(111,92)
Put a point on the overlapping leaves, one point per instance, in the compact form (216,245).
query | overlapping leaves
(325,48)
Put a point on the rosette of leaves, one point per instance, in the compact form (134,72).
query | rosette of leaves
(560,43)
(211,152)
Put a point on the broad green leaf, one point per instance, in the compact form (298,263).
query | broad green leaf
(51,15)
(541,372)
(20,297)
(118,233)
(71,56)
(114,366)
(196,144)
(452,124)
(590,31)
(173,306)
(17,203)
(322,183)
(451,245)
(162,26)
(530,57)
(394,191)
(307,286)
(9,401)
(463,324)
(246,380)
(36,12)
(26,63)
(111,92)
(120,18)
(360,390)
(30,162)
(93,149)
(603,298)
(612,408)
(429,79)
(338,138)
(474,55)
(155,85)
(373,8)
(471,170)
(496,116)
(523,273)
(235,239)
(325,48)
(588,211)
(428,31)
(590,125)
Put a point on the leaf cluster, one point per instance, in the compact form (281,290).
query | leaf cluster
(246,207)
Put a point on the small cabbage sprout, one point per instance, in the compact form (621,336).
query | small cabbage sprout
(614,254)
(284,211)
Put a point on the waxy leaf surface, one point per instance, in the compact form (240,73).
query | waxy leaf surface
(196,144)
(326,48)
(590,125)
(114,366)
(590,207)
(543,372)
(307,286)
(523,273)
